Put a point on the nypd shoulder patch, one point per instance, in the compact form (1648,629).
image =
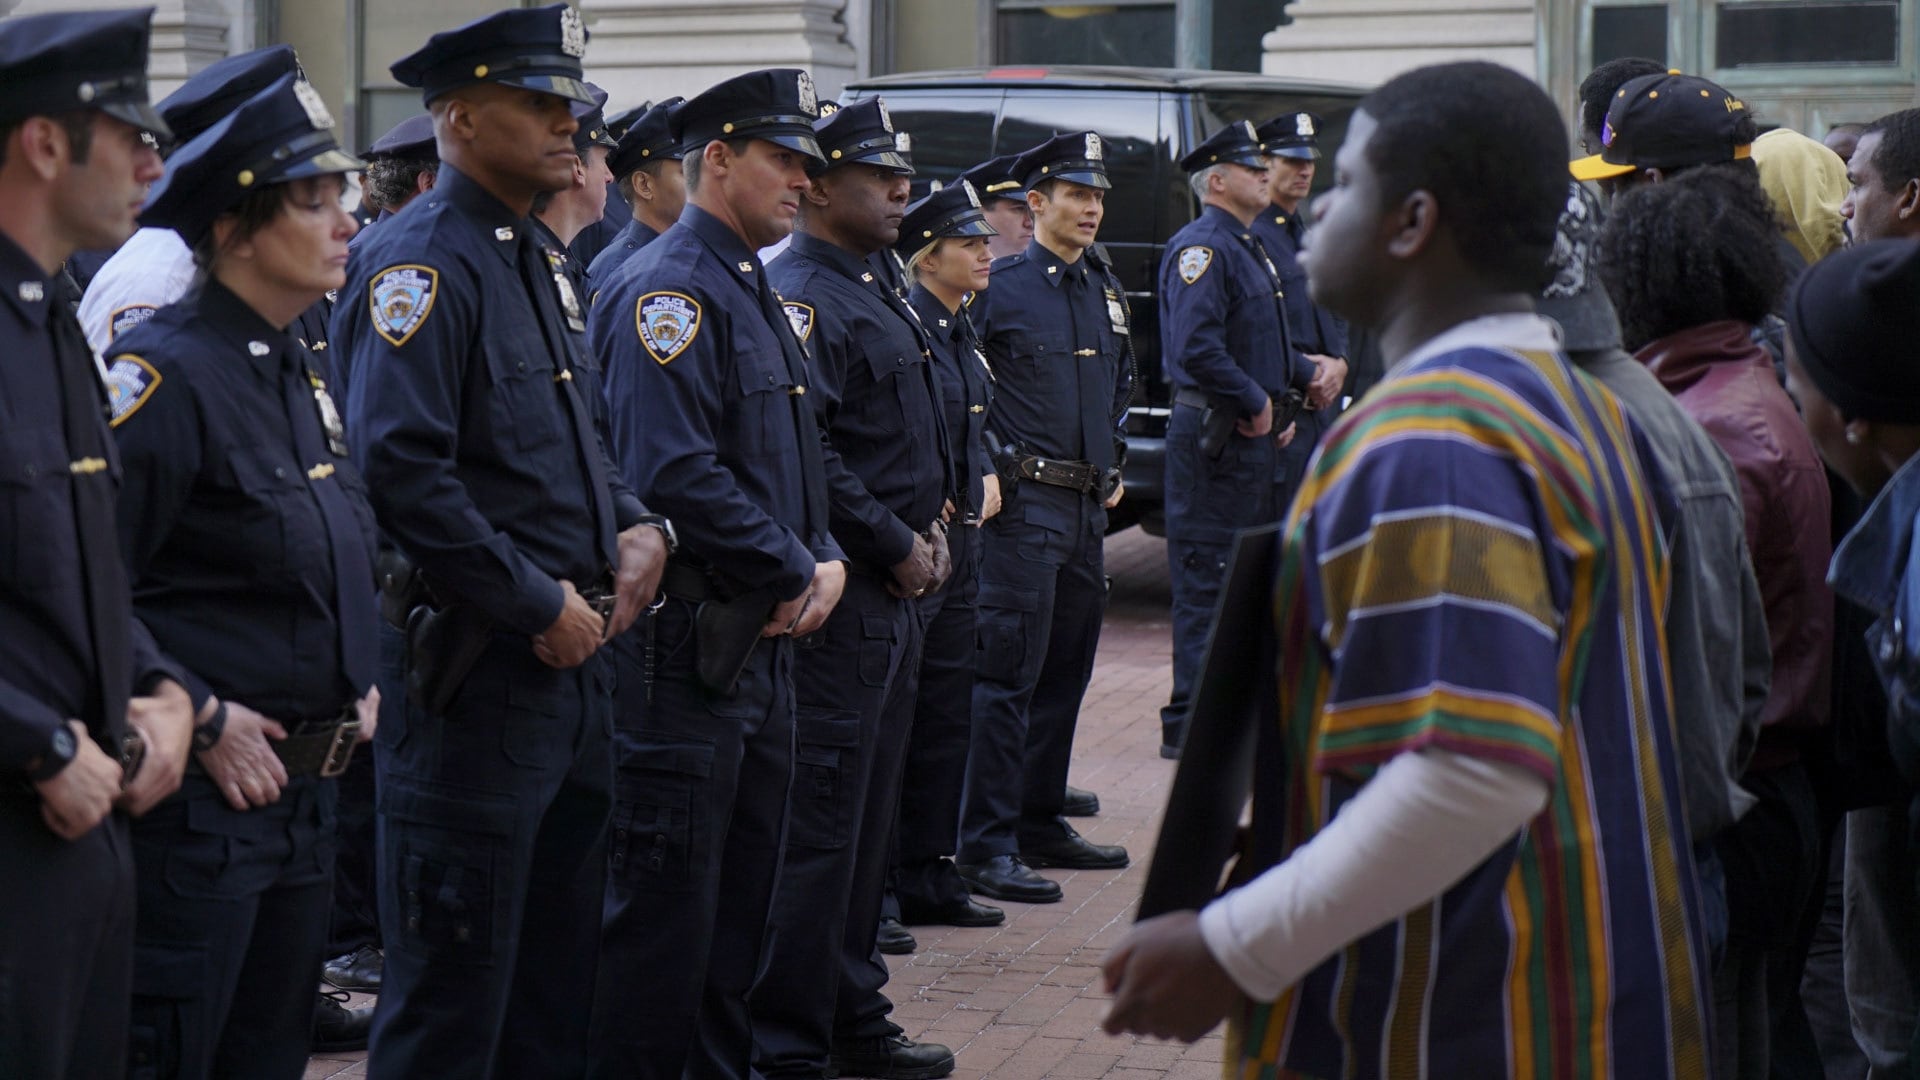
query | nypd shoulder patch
(400,299)
(667,323)
(1194,262)
(800,317)
(127,318)
(130,382)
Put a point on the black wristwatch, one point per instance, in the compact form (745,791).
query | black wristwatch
(661,522)
(206,736)
(60,752)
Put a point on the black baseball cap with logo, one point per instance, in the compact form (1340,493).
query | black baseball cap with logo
(1669,121)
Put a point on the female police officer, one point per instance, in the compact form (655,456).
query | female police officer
(249,541)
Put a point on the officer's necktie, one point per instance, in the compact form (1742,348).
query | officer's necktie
(1096,443)
(103,570)
(813,468)
(1272,272)
(542,293)
(353,581)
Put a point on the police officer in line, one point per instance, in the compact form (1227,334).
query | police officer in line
(94,722)
(1320,338)
(154,268)
(560,216)
(1055,328)
(400,168)
(249,542)
(1224,341)
(944,242)
(712,420)
(646,168)
(1005,202)
(889,480)
(478,446)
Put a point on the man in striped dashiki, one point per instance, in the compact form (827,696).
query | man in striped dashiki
(1471,670)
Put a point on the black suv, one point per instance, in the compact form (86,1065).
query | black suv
(1150,117)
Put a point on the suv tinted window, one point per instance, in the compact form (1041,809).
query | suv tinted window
(951,129)
(1136,149)
(1218,108)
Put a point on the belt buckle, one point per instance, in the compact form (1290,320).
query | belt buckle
(340,750)
(601,601)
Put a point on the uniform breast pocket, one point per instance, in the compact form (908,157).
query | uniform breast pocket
(763,425)
(274,520)
(524,398)
(35,506)
(900,371)
(1039,357)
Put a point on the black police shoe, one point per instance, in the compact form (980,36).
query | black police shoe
(357,970)
(336,1027)
(894,1057)
(1170,751)
(894,939)
(960,912)
(1080,803)
(1073,852)
(1171,737)
(1005,877)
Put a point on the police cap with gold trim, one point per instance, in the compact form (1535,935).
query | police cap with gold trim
(1291,135)
(1080,157)
(61,62)
(282,133)
(954,210)
(223,86)
(994,179)
(411,139)
(1234,144)
(775,104)
(593,124)
(648,138)
(532,48)
(863,132)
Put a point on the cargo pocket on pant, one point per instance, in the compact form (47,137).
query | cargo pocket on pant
(446,850)
(168,980)
(820,807)
(659,836)
(877,638)
(1003,631)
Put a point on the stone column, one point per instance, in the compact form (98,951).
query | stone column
(1371,41)
(650,49)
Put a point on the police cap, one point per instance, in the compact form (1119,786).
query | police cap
(994,179)
(863,132)
(411,139)
(1080,157)
(622,122)
(64,61)
(1667,121)
(775,104)
(952,211)
(533,48)
(1291,135)
(282,133)
(593,124)
(220,87)
(1236,143)
(648,138)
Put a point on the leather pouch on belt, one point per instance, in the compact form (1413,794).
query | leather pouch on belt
(442,646)
(1216,431)
(725,633)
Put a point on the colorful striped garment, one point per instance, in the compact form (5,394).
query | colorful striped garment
(1474,562)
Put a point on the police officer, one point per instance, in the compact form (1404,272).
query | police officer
(889,478)
(83,689)
(470,425)
(1005,202)
(646,167)
(559,216)
(400,168)
(1223,337)
(1320,337)
(1055,328)
(154,268)
(944,241)
(249,542)
(709,393)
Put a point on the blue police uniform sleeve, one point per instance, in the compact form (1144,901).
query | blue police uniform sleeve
(1193,324)
(665,419)
(404,404)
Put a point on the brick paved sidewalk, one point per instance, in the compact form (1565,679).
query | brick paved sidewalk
(1023,1001)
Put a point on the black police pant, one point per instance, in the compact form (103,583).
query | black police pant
(231,926)
(1043,591)
(492,847)
(700,806)
(1208,500)
(936,767)
(853,709)
(355,921)
(66,945)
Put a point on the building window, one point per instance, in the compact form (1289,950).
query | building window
(1128,32)
(1759,34)
(1632,30)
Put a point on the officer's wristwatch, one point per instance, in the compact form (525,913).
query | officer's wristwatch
(661,522)
(59,754)
(206,736)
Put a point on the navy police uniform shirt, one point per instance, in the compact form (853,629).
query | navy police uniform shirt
(238,493)
(1222,328)
(463,409)
(72,647)
(700,388)
(1054,334)
(636,235)
(1314,329)
(874,396)
(966,392)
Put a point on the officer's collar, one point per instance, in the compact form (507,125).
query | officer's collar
(740,260)
(942,324)
(641,232)
(1220,217)
(501,225)
(243,328)
(833,255)
(28,288)
(1052,267)
(544,233)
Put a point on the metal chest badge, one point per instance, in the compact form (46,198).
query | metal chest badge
(1116,311)
(329,415)
(569,300)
